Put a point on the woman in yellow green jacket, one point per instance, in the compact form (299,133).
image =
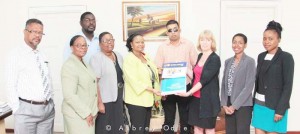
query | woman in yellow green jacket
(141,84)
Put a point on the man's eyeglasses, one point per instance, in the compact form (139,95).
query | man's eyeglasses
(81,45)
(172,30)
(35,32)
(108,41)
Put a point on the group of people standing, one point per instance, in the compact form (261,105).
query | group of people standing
(97,84)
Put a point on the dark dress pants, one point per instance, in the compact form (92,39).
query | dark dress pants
(169,106)
(239,121)
(139,119)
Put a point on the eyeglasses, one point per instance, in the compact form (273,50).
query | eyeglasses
(174,30)
(89,20)
(35,32)
(81,45)
(108,41)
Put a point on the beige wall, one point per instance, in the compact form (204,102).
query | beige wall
(195,16)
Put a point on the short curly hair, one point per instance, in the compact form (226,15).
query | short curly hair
(130,39)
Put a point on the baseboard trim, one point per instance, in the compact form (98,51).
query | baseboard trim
(9,130)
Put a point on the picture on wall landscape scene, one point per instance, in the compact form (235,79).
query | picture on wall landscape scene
(148,18)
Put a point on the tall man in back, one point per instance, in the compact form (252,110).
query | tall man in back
(176,49)
(88,27)
(29,85)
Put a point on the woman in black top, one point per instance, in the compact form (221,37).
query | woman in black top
(273,86)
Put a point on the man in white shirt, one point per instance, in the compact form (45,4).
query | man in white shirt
(29,85)
(88,26)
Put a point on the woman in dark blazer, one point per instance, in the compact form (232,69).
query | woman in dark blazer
(237,86)
(205,103)
(273,86)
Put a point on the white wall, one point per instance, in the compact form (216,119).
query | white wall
(195,16)
(290,37)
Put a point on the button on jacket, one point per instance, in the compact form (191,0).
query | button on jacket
(278,80)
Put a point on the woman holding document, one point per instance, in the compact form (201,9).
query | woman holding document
(141,84)
(205,103)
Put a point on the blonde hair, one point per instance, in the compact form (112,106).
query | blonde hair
(209,35)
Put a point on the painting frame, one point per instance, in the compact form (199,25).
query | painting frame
(148,18)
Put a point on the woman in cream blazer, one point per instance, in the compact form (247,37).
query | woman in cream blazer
(79,88)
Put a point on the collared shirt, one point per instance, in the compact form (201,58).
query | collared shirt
(92,49)
(185,51)
(23,76)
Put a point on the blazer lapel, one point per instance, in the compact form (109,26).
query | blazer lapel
(199,57)
(83,66)
(207,61)
(260,61)
(227,69)
(89,70)
(237,68)
(276,56)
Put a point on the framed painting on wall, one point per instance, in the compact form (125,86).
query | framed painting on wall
(149,18)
